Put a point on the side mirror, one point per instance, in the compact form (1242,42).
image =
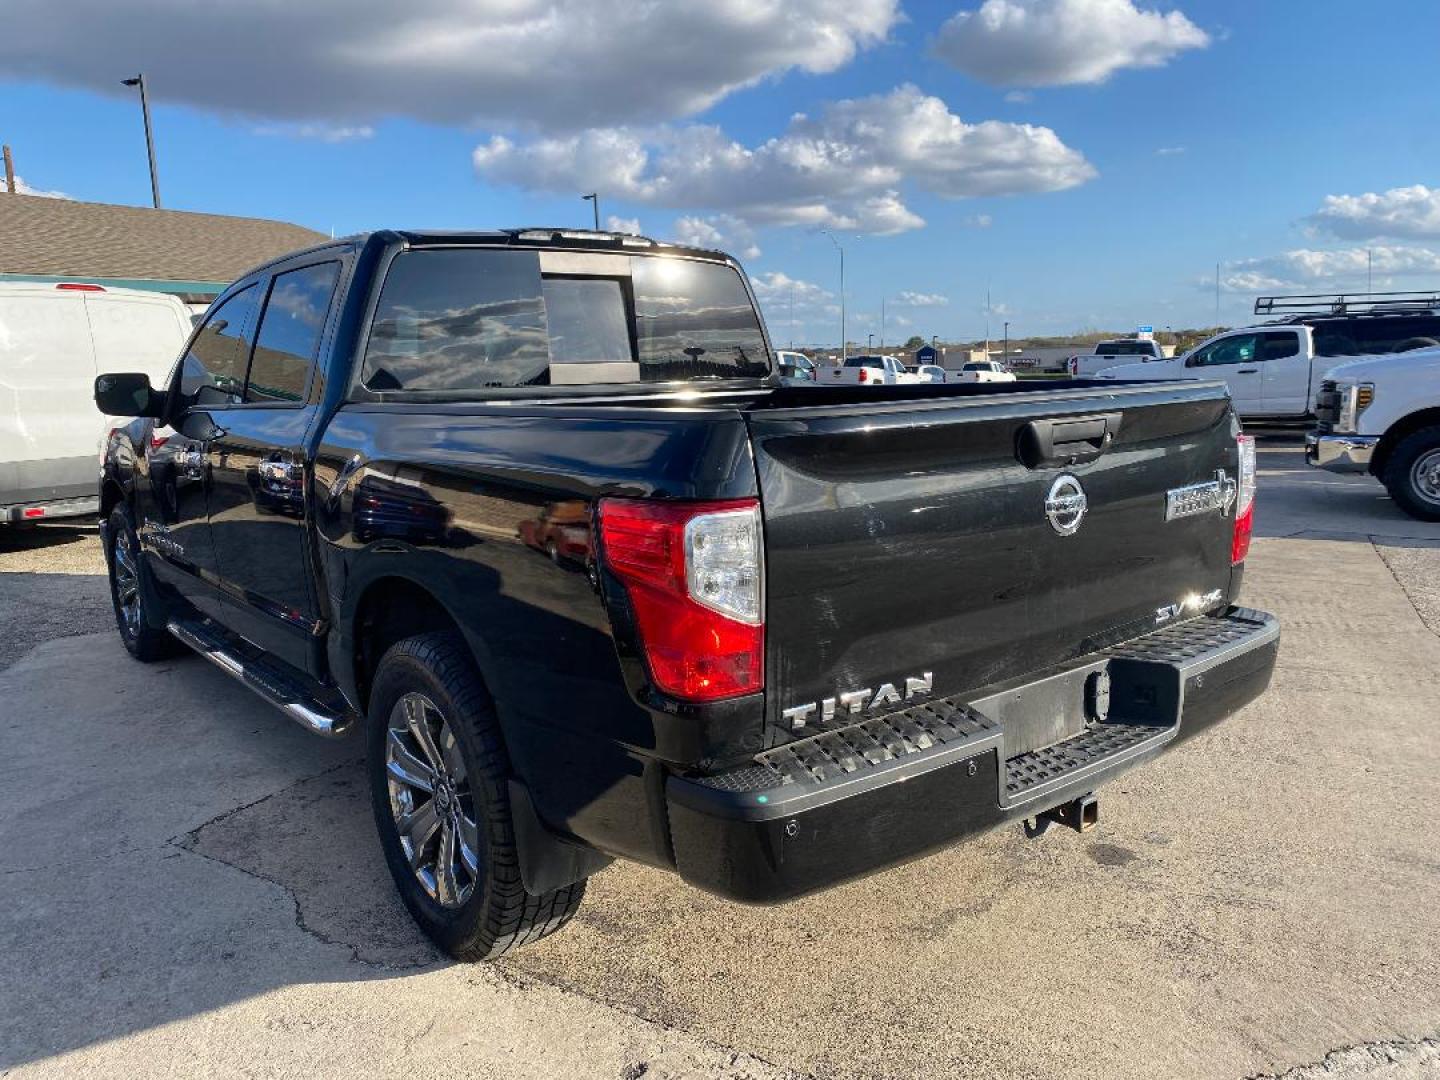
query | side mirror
(128,394)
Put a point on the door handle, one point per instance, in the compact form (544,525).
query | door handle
(1066,442)
(1247,371)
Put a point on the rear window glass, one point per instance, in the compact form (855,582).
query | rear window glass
(1125,348)
(477,319)
(1376,335)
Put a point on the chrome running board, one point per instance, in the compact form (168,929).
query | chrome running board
(281,690)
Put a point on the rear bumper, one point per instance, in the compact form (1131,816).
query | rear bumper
(1340,453)
(850,802)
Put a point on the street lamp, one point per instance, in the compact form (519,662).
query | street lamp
(139,80)
(594,199)
(869,342)
(844,351)
(1007,341)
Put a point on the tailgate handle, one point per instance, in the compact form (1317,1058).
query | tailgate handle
(1066,442)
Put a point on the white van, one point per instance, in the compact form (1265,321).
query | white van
(54,340)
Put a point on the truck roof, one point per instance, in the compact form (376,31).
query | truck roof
(542,236)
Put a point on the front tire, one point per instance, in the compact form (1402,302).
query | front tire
(128,592)
(1412,474)
(439,778)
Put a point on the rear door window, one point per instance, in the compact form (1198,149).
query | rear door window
(1279,346)
(214,365)
(288,339)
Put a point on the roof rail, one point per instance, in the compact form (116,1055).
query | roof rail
(1363,303)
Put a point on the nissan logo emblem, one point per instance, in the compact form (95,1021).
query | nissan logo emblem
(1066,504)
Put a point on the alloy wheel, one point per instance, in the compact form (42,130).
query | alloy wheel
(431,801)
(127,583)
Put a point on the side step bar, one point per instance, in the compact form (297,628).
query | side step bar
(280,690)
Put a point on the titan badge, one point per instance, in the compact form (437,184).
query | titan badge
(859,702)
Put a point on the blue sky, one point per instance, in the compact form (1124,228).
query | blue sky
(1089,160)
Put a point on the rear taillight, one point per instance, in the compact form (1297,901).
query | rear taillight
(694,577)
(864,374)
(1244,500)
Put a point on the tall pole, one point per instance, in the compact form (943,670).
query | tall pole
(882,324)
(844,343)
(1217,294)
(987,319)
(1006,351)
(594,199)
(792,316)
(139,80)
(9,171)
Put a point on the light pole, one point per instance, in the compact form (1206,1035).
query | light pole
(869,342)
(844,350)
(139,80)
(1006,351)
(594,199)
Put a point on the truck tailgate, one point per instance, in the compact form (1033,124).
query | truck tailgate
(912,537)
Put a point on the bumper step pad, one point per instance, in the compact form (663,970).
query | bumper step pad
(1097,743)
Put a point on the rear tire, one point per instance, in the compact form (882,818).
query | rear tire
(456,866)
(129,587)
(1412,474)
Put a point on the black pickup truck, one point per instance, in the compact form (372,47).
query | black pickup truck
(533,512)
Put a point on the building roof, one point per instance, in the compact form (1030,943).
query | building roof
(61,237)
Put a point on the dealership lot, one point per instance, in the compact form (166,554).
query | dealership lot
(190,881)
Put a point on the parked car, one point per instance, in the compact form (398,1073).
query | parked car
(54,340)
(1108,354)
(1382,417)
(1274,371)
(929,372)
(795,368)
(868,370)
(977,371)
(747,687)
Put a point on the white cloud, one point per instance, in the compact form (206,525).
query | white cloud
(1307,268)
(978,221)
(1169,151)
(330,133)
(1062,42)
(1412,212)
(552,64)
(777,287)
(1019,97)
(843,169)
(624,225)
(22,188)
(717,231)
(920,299)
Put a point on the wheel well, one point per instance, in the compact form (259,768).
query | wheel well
(1399,430)
(111,496)
(390,610)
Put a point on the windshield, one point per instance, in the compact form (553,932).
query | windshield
(1126,348)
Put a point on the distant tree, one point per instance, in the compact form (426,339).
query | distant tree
(915,342)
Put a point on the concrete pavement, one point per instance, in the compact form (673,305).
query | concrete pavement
(188,882)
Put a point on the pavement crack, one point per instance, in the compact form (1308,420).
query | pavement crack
(1363,1059)
(1377,542)
(189,840)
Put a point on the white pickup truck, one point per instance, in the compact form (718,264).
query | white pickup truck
(1109,353)
(1382,417)
(981,371)
(1274,371)
(868,370)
